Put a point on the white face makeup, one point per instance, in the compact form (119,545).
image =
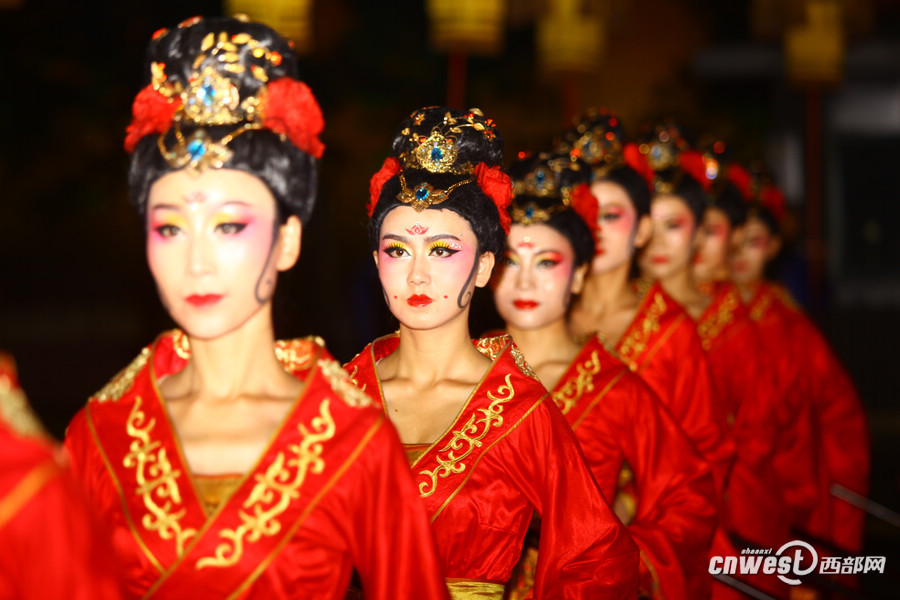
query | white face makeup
(211,248)
(712,257)
(754,246)
(671,248)
(537,280)
(616,227)
(429,266)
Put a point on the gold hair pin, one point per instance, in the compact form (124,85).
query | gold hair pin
(425,195)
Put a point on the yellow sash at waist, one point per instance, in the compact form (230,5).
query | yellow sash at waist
(473,589)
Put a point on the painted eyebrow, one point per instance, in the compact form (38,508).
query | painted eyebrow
(165,205)
(428,240)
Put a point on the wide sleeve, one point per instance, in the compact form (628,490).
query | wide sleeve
(393,547)
(50,547)
(676,507)
(693,403)
(843,441)
(584,552)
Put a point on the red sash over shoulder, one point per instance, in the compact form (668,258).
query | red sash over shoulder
(618,420)
(662,346)
(182,549)
(508,454)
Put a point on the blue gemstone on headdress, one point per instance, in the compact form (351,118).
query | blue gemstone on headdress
(529,212)
(207,93)
(422,193)
(539,177)
(436,153)
(196,148)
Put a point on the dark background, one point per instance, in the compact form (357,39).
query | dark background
(76,299)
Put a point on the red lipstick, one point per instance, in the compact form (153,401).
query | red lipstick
(418,300)
(659,260)
(201,300)
(525,304)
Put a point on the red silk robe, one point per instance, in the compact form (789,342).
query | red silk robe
(661,345)
(617,418)
(331,492)
(764,425)
(842,439)
(510,453)
(49,545)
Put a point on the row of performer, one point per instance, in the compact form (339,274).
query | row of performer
(652,402)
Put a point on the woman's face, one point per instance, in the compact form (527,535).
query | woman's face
(712,256)
(617,230)
(213,250)
(672,246)
(754,246)
(538,277)
(429,266)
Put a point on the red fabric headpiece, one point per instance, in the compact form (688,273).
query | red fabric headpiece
(498,187)
(585,204)
(638,161)
(692,163)
(389,168)
(152,112)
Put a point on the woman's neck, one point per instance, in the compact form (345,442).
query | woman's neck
(605,292)
(748,289)
(546,349)
(239,364)
(680,285)
(432,355)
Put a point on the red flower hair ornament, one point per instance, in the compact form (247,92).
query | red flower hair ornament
(389,168)
(498,187)
(152,112)
(585,205)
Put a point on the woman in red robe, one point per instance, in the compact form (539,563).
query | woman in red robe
(770,427)
(50,545)
(487,446)
(648,329)
(819,380)
(227,465)
(616,418)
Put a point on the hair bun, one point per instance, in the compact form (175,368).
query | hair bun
(438,139)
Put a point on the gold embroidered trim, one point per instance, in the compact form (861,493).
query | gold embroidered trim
(342,384)
(25,489)
(493,346)
(296,355)
(275,490)
(634,345)
(353,378)
(568,395)
(157,481)
(472,589)
(121,383)
(16,412)
(760,308)
(469,437)
(710,328)
(181,344)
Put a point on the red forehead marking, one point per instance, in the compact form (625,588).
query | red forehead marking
(525,244)
(417,230)
(195,197)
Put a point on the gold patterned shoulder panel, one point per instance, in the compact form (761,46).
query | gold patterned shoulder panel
(297,354)
(341,383)
(632,347)
(493,347)
(712,325)
(121,383)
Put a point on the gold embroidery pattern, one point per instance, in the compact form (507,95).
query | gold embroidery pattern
(274,491)
(569,394)
(521,362)
(636,342)
(181,343)
(16,412)
(342,384)
(353,379)
(761,307)
(492,346)
(709,329)
(295,355)
(121,383)
(469,437)
(156,480)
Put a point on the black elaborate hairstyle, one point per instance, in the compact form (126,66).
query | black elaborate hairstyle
(455,146)
(728,199)
(635,186)
(543,185)
(184,53)
(679,183)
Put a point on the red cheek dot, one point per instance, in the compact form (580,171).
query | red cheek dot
(445,297)
(395,297)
